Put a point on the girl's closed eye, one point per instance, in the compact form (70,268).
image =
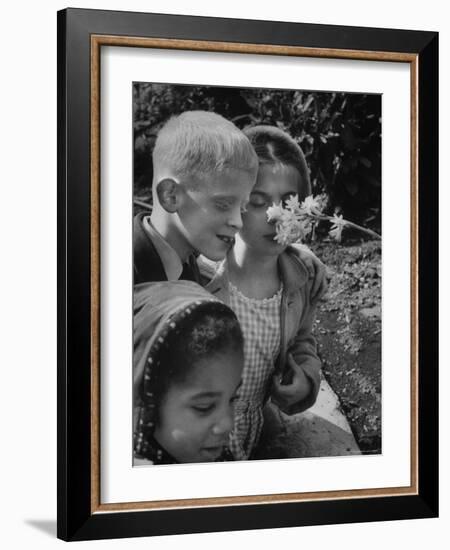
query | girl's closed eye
(259,201)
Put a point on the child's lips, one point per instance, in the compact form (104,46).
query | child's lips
(270,236)
(229,241)
(215,449)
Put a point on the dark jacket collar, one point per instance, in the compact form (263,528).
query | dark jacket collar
(148,266)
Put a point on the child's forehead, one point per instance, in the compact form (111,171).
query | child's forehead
(209,373)
(278,169)
(230,184)
(279,174)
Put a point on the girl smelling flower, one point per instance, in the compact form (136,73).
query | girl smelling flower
(272,291)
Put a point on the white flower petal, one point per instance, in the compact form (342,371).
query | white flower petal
(274,212)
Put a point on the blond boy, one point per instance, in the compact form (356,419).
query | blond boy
(204,168)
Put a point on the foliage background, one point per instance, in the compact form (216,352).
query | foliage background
(340,134)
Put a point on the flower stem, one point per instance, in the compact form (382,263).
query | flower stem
(374,234)
(324,217)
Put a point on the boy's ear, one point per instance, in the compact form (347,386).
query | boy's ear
(169,194)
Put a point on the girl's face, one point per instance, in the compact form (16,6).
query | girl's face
(196,415)
(275,183)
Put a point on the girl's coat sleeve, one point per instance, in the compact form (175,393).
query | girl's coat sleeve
(303,347)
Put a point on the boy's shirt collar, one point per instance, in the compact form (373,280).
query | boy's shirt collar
(171,261)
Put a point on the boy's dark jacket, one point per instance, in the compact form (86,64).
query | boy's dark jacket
(147,265)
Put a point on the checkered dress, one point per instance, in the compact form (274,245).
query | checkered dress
(260,322)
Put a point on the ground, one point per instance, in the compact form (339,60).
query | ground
(348,331)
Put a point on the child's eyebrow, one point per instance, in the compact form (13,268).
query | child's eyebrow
(207,394)
(269,196)
(204,394)
(223,196)
(290,193)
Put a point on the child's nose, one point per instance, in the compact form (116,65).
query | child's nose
(225,423)
(235,219)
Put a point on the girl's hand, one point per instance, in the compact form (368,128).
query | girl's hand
(298,388)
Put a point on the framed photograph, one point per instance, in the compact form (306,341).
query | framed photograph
(328,137)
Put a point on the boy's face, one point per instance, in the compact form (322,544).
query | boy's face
(210,215)
(196,415)
(275,183)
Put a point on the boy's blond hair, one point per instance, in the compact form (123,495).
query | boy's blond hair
(198,143)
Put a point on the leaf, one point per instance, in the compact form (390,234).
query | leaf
(348,138)
(306,105)
(351,186)
(375,182)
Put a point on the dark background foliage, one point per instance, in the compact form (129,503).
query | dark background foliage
(340,134)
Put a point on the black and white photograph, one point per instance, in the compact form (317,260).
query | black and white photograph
(257,275)
(224,275)
(247,255)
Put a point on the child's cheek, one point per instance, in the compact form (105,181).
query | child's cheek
(251,218)
(245,216)
(179,435)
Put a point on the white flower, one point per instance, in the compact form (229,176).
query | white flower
(274,212)
(292,223)
(282,236)
(311,206)
(288,217)
(322,201)
(338,220)
(290,232)
(292,203)
(337,227)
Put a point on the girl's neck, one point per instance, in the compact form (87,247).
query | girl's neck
(254,274)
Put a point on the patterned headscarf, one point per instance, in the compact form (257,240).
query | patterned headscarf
(159,310)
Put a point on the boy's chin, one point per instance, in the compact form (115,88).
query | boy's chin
(216,255)
(216,249)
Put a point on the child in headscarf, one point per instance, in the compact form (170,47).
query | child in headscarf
(188,360)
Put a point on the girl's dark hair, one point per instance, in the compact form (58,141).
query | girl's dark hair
(211,328)
(273,146)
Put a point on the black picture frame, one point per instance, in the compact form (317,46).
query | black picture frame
(79,518)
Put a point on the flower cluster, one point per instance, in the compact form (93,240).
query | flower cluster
(295,221)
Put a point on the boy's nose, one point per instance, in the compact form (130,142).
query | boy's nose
(236,219)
